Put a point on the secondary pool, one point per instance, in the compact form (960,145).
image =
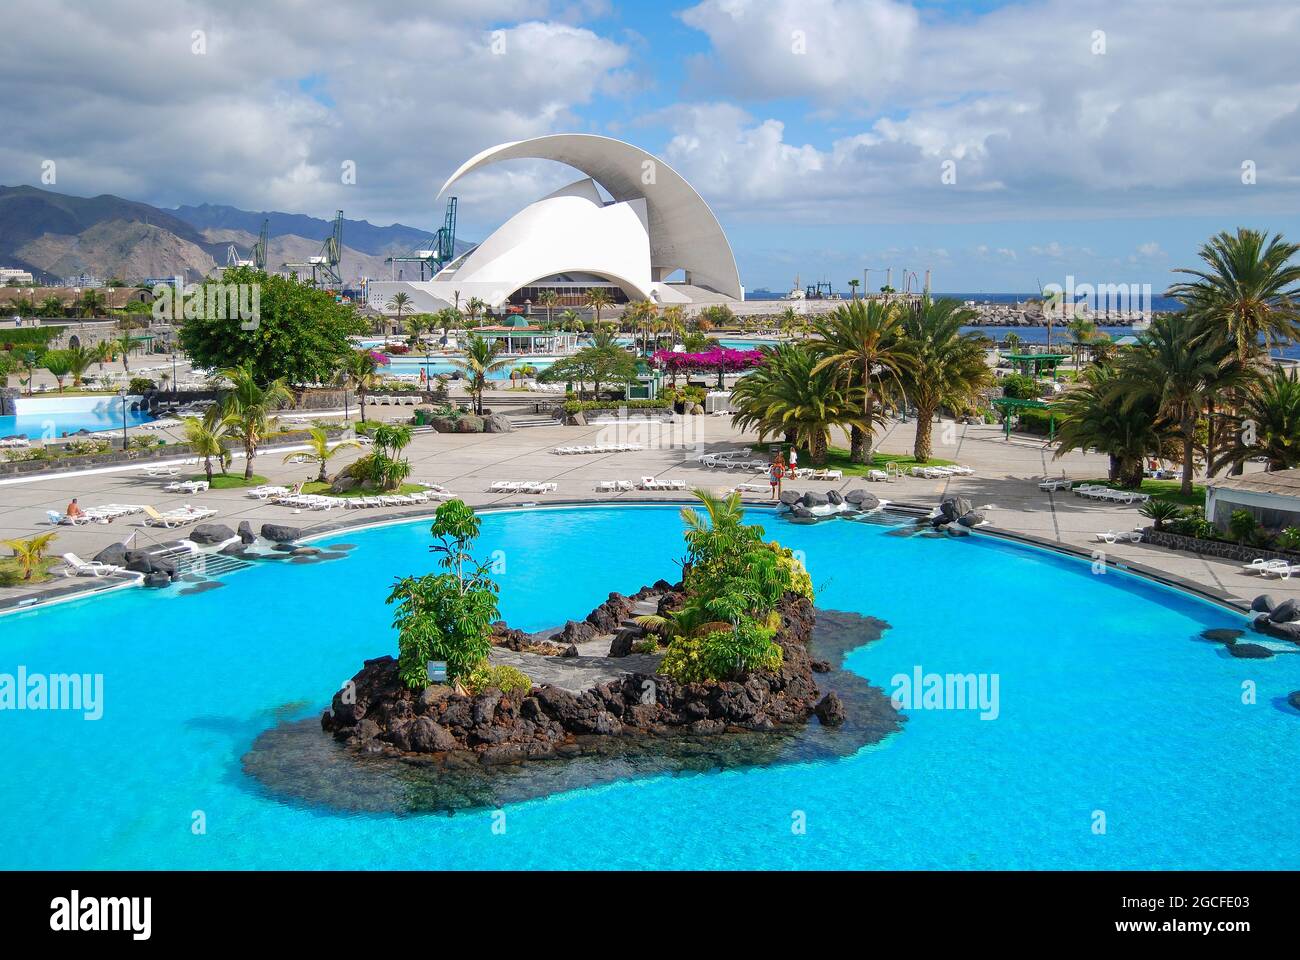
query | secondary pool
(1110,704)
(411,365)
(48,418)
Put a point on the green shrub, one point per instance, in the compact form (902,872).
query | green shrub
(1160,511)
(685,661)
(1017,386)
(1289,539)
(648,645)
(505,678)
(721,654)
(141,385)
(574,406)
(1242,525)
(1035,421)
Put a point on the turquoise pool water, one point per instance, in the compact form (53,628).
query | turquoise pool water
(49,426)
(1108,701)
(434,366)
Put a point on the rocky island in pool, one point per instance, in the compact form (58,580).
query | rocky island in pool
(733,666)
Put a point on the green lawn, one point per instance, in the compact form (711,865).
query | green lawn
(324,488)
(1163,490)
(231,481)
(10,576)
(837,458)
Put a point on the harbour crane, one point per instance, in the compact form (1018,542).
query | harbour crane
(440,249)
(324,266)
(257,259)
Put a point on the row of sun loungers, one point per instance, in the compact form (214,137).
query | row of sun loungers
(808,473)
(391,500)
(1282,569)
(938,473)
(187,486)
(650,483)
(601,448)
(395,400)
(1115,536)
(1097,492)
(102,514)
(522,486)
(307,501)
(15,443)
(177,518)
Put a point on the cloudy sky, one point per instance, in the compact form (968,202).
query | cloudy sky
(1004,145)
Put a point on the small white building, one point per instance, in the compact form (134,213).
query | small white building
(1272,498)
(10,275)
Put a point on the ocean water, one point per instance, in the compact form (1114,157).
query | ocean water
(1109,705)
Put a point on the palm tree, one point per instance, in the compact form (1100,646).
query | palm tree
(30,552)
(80,359)
(548,300)
(50,307)
(399,303)
(1269,423)
(319,450)
(1174,364)
(474,308)
(597,299)
(248,407)
(479,361)
(853,287)
(1082,331)
(795,396)
(860,342)
(571,320)
(125,343)
(1094,414)
(91,302)
(361,369)
(205,437)
(56,362)
(788,321)
(945,367)
(1246,291)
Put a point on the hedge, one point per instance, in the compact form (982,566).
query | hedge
(573,406)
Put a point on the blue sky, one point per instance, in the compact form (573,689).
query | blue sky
(1000,145)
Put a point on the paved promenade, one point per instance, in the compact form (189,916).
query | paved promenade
(1004,487)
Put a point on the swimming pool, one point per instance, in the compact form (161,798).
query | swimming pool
(1108,702)
(411,365)
(47,418)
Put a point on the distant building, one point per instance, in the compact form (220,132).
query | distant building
(10,275)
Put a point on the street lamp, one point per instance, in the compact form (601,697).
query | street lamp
(122,393)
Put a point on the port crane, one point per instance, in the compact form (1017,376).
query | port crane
(439,250)
(324,266)
(257,259)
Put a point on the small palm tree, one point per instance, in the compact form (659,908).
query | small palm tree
(598,298)
(1094,414)
(360,369)
(80,359)
(248,408)
(320,450)
(853,286)
(480,360)
(1268,423)
(1160,512)
(474,308)
(124,343)
(548,300)
(571,320)
(205,437)
(30,552)
(399,303)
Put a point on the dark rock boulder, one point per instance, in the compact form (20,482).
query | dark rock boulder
(498,424)
(1285,612)
(609,616)
(1263,604)
(624,640)
(278,533)
(802,514)
(304,551)
(830,710)
(234,549)
(246,534)
(953,508)
(1293,698)
(342,484)
(114,554)
(569,651)
(972,519)
(834,497)
(157,579)
(790,497)
(814,498)
(1284,631)
(576,631)
(208,534)
(1250,651)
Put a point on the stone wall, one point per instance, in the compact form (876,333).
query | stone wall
(7,397)
(1213,548)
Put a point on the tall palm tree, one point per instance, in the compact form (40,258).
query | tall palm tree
(1082,331)
(205,437)
(1174,365)
(359,368)
(853,286)
(794,396)
(1093,414)
(474,308)
(30,552)
(1268,422)
(945,367)
(248,409)
(480,361)
(1246,291)
(399,303)
(91,303)
(124,343)
(861,343)
(548,300)
(598,298)
(320,450)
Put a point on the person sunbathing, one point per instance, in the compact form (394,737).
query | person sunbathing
(74,510)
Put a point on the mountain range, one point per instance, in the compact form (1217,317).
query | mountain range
(56,235)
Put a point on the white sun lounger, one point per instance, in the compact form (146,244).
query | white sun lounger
(265,492)
(1113,536)
(1280,569)
(92,568)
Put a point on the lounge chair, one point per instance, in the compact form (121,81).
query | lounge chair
(1113,536)
(266,491)
(93,568)
(187,486)
(606,486)
(1280,569)
(877,475)
(161,473)
(750,488)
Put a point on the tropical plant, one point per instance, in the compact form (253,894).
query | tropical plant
(1094,414)
(446,616)
(206,439)
(1267,423)
(1160,511)
(59,364)
(598,298)
(321,450)
(125,343)
(29,553)
(480,360)
(399,303)
(1245,293)
(1241,525)
(944,368)
(600,365)
(360,369)
(861,343)
(794,396)
(248,407)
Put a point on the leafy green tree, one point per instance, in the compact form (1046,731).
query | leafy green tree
(945,367)
(59,364)
(1094,414)
(1267,423)
(80,359)
(300,337)
(248,409)
(206,439)
(50,307)
(604,364)
(446,616)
